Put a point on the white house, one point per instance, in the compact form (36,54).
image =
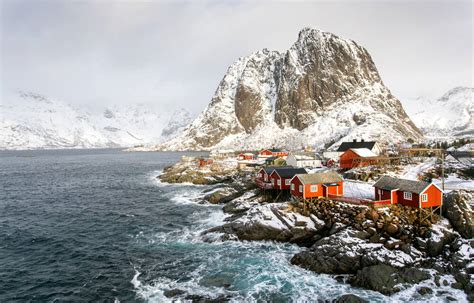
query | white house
(303,159)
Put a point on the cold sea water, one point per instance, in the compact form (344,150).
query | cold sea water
(97,226)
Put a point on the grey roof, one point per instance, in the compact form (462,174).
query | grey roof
(289,172)
(270,169)
(320,178)
(348,145)
(390,183)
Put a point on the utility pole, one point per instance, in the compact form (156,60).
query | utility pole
(442,169)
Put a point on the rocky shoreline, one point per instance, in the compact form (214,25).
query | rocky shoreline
(384,250)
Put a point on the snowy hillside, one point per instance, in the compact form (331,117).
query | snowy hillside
(323,90)
(450,116)
(30,121)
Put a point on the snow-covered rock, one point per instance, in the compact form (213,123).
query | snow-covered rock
(324,89)
(450,116)
(30,121)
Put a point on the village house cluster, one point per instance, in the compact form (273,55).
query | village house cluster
(306,175)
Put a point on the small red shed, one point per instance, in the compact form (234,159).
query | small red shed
(317,185)
(246,156)
(408,192)
(205,162)
(281,177)
(272,153)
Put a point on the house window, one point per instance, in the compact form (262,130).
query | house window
(265,177)
(287,182)
(301,188)
(292,187)
(314,188)
(406,195)
(279,182)
(380,193)
(424,198)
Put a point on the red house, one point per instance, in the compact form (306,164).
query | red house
(205,162)
(281,177)
(317,185)
(408,192)
(246,156)
(356,157)
(266,153)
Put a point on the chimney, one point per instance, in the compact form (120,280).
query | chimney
(354,140)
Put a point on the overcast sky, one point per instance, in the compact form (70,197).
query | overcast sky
(116,52)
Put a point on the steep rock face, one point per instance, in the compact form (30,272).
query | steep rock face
(322,90)
(318,70)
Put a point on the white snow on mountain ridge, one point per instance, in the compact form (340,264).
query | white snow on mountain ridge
(324,89)
(448,117)
(31,121)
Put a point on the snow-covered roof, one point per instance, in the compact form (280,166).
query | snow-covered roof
(351,145)
(364,152)
(305,156)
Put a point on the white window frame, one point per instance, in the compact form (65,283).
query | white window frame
(265,177)
(407,195)
(292,186)
(287,182)
(380,193)
(424,197)
(300,188)
(313,188)
(279,182)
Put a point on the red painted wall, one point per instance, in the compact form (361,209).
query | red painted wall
(345,160)
(334,190)
(384,196)
(296,191)
(266,152)
(412,203)
(435,197)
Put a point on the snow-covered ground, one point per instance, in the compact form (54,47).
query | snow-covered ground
(358,189)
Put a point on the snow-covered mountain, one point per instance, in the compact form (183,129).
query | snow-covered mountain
(450,116)
(31,121)
(323,90)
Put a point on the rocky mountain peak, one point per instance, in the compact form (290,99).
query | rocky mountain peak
(277,99)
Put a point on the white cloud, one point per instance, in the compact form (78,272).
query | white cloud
(177,52)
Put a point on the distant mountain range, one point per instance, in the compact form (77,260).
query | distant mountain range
(32,121)
(450,116)
(320,92)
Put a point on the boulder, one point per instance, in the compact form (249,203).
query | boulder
(350,298)
(440,235)
(457,207)
(346,252)
(386,279)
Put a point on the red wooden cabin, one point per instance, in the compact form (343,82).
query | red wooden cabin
(356,157)
(317,185)
(204,162)
(281,177)
(246,156)
(272,153)
(408,192)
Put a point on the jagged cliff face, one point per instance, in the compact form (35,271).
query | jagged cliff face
(322,90)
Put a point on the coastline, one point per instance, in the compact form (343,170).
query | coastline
(381,250)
